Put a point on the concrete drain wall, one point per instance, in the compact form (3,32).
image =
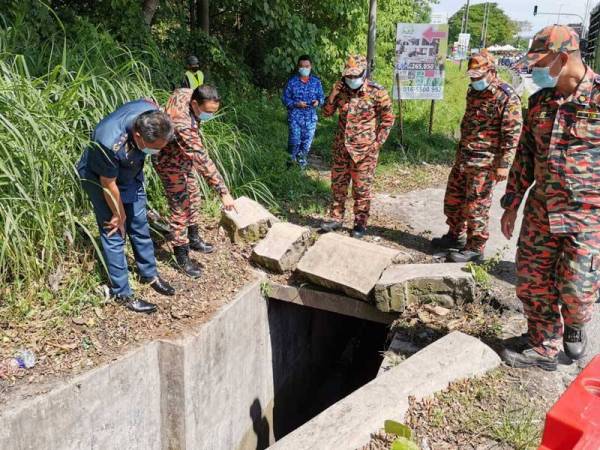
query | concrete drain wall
(255,372)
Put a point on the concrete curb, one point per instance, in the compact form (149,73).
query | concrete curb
(348,424)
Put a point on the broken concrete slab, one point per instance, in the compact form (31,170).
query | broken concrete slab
(282,248)
(249,222)
(348,424)
(444,284)
(328,301)
(345,264)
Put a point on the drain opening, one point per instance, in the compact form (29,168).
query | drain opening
(318,358)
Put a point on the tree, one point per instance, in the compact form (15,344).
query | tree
(501,28)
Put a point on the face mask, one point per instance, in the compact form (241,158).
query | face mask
(354,83)
(541,76)
(150,151)
(205,116)
(304,71)
(480,85)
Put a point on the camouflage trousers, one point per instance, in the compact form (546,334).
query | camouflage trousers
(467,204)
(557,277)
(343,170)
(183,195)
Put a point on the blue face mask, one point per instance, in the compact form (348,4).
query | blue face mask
(150,151)
(354,83)
(541,76)
(304,71)
(480,85)
(205,116)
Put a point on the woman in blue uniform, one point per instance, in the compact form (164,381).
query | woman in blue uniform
(302,95)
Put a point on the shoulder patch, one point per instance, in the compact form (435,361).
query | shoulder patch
(119,143)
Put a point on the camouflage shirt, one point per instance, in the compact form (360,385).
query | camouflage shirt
(186,151)
(560,151)
(365,118)
(491,127)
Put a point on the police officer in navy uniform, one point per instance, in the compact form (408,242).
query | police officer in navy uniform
(111,170)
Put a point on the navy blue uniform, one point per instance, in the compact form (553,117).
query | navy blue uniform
(302,122)
(113,154)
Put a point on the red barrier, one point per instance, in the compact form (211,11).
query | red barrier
(573,423)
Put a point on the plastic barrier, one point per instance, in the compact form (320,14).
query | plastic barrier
(573,423)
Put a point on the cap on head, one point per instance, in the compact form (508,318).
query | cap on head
(355,66)
(480,63)
(192,61)
(552,39)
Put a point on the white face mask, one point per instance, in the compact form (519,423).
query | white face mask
(354,83)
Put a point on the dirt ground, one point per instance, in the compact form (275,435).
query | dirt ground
(100,334)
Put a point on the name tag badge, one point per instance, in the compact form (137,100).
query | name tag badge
(593,116)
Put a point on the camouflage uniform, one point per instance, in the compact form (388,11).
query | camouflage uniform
(178,163)
(365,119)
(559,245)
(490,131)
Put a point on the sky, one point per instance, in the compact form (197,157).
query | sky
(523,10)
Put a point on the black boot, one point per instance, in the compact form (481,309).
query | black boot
(359,231)
(528,358)
(449,241)
(331,225)
(575,342)
(159,285)
(184,262)
(135,304)
(196,242)
(465,256)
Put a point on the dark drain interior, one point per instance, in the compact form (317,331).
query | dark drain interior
(318,358)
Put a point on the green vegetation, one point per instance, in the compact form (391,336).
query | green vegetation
(80,61)
(501,28)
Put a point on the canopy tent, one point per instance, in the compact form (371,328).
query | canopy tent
(502,48)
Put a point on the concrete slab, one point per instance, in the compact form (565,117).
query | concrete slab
(423,211)
(328,301)
(402,285)
(282,248)
(249,222)
(117,406)
(345,264)
(349,423)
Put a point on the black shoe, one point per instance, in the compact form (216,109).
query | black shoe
(196,242)
(187,266)
(135,304)
(359,231)
(575,342)
(528,358)
(159,285)
(465,256)
(448,241)
(332,225)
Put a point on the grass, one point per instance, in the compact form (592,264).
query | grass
(499,406)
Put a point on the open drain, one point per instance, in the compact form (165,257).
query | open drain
(318,358)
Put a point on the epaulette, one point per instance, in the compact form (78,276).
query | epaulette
(507,89)
(375,85)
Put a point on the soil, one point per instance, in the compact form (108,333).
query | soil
(100,334)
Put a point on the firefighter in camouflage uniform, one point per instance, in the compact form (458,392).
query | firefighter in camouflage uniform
(178,165)
(365,119)
(558,254)
(490,132)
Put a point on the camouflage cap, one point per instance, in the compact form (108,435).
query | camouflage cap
(355,65)
(480,63)
(552,39)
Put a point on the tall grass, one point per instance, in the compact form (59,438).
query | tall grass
(46,115)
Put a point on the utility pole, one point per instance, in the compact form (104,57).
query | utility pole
(463,27)
(372,36)
(484,25)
